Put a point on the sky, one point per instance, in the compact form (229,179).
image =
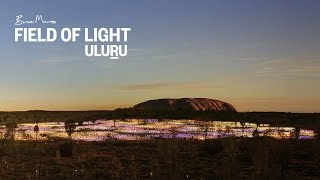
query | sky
(256,55)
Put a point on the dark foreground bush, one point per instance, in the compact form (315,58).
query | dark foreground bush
(212,146)
(66,149)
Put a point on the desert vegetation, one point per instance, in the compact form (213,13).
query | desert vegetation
(226,158)
(173,157)
(302,120)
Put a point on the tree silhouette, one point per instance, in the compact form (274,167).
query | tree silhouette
(70,127)
(255,133)
(296,133)
(36,130)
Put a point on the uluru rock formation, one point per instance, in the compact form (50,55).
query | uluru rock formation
(195,104)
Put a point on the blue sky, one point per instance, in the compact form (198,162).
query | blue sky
(257,55)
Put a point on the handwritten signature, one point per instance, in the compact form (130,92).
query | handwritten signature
(38,19)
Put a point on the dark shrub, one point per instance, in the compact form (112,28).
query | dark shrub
(70,127)
(66,149)
(36,129)
(212,146)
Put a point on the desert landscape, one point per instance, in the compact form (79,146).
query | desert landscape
(160,139)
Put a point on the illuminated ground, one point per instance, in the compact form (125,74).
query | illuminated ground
(134,129)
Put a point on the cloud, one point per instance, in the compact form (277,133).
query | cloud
(53,60)
(160,85)
(135,49)
(253,59)
(297,67)
(61,59)
(136,52)
(283,104)
(290,67)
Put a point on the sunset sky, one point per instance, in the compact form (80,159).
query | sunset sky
(256,55)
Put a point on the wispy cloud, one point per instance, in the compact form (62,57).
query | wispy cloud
(298,66)
(61,59)
(290,67)
(159,85)
(136,52)
(253,59)
(283,104)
